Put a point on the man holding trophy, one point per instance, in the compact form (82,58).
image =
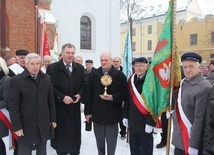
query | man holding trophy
(106,89)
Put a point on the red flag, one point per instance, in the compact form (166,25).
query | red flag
(45,44)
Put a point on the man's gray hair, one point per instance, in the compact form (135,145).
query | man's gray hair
(32,55)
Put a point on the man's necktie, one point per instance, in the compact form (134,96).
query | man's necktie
(68,69)
(34,77)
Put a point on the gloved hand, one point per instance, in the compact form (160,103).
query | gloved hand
(148,128)
(125,122)
(169,114)
(192,151)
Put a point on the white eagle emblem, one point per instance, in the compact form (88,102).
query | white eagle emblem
(165,72)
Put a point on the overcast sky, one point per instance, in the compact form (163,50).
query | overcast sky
(206,6)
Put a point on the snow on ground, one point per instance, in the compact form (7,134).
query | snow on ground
(88,146)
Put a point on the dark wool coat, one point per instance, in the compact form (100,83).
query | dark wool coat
(137,120)
(209,128)
(4,91)
(68,131)
(31,107)
(103,111)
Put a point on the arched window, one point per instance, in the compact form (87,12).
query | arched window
(85,33)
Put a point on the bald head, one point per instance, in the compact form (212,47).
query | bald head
(106,61)
(47,60)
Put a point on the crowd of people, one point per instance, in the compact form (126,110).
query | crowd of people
(44,103)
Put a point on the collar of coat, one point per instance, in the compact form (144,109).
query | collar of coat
(25,74)
(112,72)
(62,65)
(195,79)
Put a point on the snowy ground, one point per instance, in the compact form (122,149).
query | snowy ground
(88,146)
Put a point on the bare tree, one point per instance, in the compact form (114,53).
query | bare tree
(130,7)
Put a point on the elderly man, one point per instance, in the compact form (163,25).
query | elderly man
(78,59)
(135,115)
(47,60)
(106,89)
(89,67)
(117,64)
(32,108)
(188,118)
(18,67)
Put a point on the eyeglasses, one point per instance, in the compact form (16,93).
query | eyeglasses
(115,61)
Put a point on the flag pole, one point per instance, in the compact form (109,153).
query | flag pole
(172,74)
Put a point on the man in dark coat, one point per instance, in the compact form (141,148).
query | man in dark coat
(105,108)
(31,107)
(89,67)
(18,67)
(208,148)
(117,64)
(135,114)
(69,84)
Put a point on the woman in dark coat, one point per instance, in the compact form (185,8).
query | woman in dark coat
(4,90)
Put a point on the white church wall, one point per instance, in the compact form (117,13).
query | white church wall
(105,17)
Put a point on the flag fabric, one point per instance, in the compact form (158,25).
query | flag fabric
(156,89)
(4,116)
(45,45)
(55,51)
(127,61)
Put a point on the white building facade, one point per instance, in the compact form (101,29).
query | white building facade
(103,30)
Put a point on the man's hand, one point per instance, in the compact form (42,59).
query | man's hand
(169,114)
(125,122)
(87,117)
(192,151)
(53,124)
(148,128)
(107,97)
(67,100)
(19,133)
(78,97)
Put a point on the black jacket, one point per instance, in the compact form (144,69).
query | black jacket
(137,120)
(103,111)
(68,131)
(208,148)
(31,107)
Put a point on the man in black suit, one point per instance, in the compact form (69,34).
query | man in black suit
(68,78)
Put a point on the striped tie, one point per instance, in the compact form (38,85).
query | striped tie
(68,69)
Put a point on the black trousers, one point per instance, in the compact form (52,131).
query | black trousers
(178,151)
(164,121)
(2,147)
(65,153)
(16,148)
(141,144)
(26,149)
(122,128)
